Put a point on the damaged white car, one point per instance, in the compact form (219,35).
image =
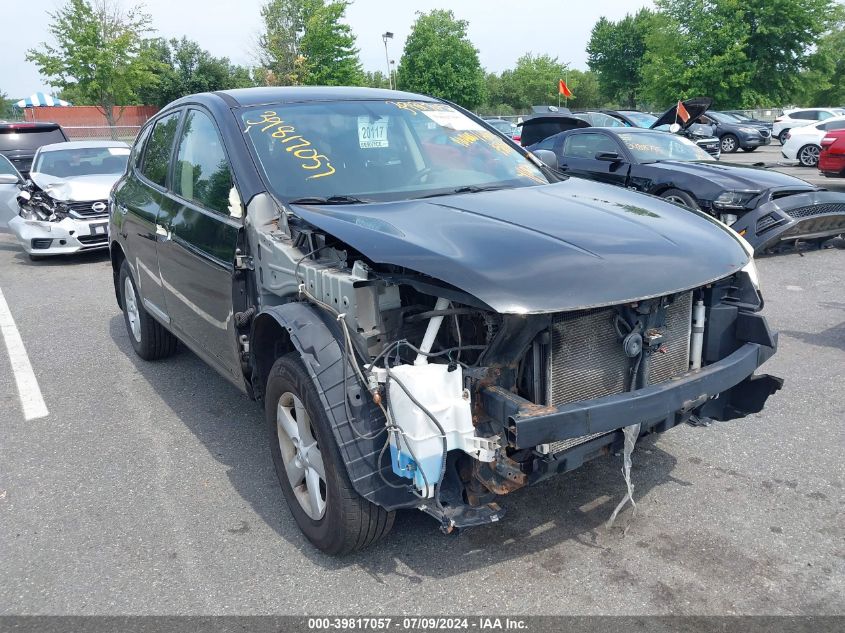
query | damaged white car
(64,204)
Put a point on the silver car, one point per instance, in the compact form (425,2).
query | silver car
(64,205)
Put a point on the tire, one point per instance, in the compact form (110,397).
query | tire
(749,149)
(149,338)
(729,144)
(679,197)
(35,258)
(347,522)
(808,155)
(782,136)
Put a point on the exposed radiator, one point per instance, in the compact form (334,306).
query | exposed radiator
(586,360)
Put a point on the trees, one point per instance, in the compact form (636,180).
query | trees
(440,60)
(98,56)
(186,68)
(533,81)
(6,106)
(743,53)
(305,42)
(615,52)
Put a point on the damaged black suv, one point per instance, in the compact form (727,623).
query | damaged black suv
(432,317)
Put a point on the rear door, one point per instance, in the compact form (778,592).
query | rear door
(200,222)
(579,157)
(139,199)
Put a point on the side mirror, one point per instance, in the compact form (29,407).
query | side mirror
(675,128)
(548,157)
(610,157)
(9,179)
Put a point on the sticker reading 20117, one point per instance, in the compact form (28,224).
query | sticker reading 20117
(308,156)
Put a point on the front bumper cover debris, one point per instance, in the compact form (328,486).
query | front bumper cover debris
(800,217)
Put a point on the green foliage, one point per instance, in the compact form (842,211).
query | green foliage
(585,88)
(742,53)
(533,81)
(7,107)
(823,82)
(328,45)
(440,60)
(376,79)
(186,68)
(306,42)
(98,55)
(615,52)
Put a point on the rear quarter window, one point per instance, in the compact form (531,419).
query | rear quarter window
(29,138)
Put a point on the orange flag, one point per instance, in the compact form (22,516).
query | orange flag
(683,115)
(564,89)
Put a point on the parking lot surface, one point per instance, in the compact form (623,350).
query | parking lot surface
(770,156)
(148,488)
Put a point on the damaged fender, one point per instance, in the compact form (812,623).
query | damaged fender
(316,336)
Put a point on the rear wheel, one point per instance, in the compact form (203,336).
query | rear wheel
(808,155)
(311,471)
(782,136)
(149,338)
(729,143)
(679,197)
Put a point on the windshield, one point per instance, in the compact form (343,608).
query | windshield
(640,119)
(381,150)
(656,146)
(723,117)
(83,161)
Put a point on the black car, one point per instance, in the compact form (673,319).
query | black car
(698,134)
(734,134)
(766,207)
(18,141)
(431,316)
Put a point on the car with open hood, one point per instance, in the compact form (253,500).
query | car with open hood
(63,207)
(432,317)
(768,208)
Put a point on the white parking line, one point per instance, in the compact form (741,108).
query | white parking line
(28,390)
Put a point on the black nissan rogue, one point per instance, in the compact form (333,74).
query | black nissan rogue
(432,317)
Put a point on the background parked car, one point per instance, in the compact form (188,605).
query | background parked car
(10,181)
(64,205)
(733,134)
(19,141)
(804,143)
(505,127)
(742,116)
(832,156)
(791,119)
(766,207)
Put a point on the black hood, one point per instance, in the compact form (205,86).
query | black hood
(735,177)
(549,248)
(696,107)
(537,128)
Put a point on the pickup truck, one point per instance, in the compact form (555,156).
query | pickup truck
(431,316)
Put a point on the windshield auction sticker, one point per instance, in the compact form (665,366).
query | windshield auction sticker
(442,114)
(372,133)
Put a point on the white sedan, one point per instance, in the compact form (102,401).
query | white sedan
(64,206)
(804,143)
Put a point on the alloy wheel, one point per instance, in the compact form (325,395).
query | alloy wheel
(301,455)
(809,155)
(132,309)
(728,144)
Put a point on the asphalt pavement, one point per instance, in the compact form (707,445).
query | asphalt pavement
(148,488)
(770,156)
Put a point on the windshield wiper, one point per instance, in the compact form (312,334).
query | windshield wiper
(329,200)
(466,189)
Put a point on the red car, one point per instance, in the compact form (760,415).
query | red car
(832,156)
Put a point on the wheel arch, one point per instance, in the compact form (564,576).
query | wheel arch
(117,258)
(317,337)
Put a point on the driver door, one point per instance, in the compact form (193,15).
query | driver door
(579,158)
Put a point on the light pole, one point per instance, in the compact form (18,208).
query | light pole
(393,71)
(387,35)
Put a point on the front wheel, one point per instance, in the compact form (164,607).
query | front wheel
(808,155)
(680,197)
(311,471)
(149,338)
(730,144)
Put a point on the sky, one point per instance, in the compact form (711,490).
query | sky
(502,31)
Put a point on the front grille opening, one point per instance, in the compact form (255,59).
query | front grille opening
(89,240)
(816,209)
(41,243)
